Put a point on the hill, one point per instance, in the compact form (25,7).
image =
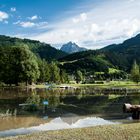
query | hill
(126,52)
(118,56)
(72,48)
(89,61)
(42,50)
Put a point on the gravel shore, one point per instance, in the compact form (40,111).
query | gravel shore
(110,132)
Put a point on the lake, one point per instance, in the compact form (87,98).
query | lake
(65,108)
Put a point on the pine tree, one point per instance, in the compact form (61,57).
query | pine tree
(78,76)
(54,73)
(135,72)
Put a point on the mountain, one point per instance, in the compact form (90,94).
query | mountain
(118,56)
(43,50)
(132,43)
(126,52)
(71,47)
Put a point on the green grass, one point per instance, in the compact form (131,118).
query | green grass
(112,84)
(40,86)
(110,132)
(121,84)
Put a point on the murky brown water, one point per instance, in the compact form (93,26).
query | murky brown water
(69,104)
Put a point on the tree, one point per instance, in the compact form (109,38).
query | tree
(78,76)
(44,71)
(135,73)
(6,72)
(27,64)
(54,73)
(18,64)
(64,76)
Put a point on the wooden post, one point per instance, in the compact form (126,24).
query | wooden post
(134,109)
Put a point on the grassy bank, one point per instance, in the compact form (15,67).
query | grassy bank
(112,84)
(111,132)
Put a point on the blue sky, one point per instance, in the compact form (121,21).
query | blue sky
(89,23)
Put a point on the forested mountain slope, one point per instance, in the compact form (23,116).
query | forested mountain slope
(43,50)
(119,56)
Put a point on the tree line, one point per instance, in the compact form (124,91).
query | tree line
(20,65)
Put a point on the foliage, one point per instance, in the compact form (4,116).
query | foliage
(44,69)
(18,64)
(54,73)
(64,78)
(113,70)
(116,56)
(33,102)
(43,50)
(78,76)
(114,61)
(135,72)
(92,63)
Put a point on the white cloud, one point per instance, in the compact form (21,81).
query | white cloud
(17,22)
(42,25)
(133,28)
(80,18)
(27,24)
(132,0)
(13,9)
(75,20)
(3,16)
(83,16)
(33,17)
(96,27)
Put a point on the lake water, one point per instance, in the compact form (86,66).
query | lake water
(67,108)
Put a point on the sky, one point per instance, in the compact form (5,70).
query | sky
(89,23)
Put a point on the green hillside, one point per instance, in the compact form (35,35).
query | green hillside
(89,61)
(42,50)
(119,56)
(124,54)
(116,56)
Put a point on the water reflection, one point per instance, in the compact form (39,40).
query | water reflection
(58,123)
(78,102)
(84,100)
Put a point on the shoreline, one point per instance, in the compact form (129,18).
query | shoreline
(106,132)
(113,84)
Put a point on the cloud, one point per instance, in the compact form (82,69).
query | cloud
(42,25)
(80,18)
(13,9)
(98,35)
(83,16)
(3,16)
(75,20)
(33,17)
(28,24)
(95,27)
(132,0)
(133,28)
